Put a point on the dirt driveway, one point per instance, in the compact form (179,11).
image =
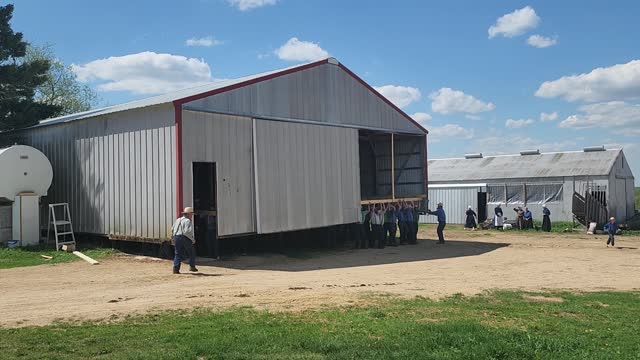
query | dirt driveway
(469,263)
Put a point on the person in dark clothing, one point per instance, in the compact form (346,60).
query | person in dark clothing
(519,217)
(377,222)
(442,221)
(546,220)
(390,225)
(365,235)
(527,216)
(470,223)
(408,218)
(498,219)
(401,223)
(416,220)
(611,228)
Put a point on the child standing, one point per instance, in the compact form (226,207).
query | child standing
(611,228)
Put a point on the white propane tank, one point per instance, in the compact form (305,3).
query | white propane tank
(24,169)
(25,176)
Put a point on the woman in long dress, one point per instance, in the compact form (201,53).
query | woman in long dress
(470,223)
(498,219)
(546,220)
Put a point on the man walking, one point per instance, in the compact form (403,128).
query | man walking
(442,221)
(611,228)
(183,236)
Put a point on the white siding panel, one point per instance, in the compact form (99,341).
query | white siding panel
(455,203)
(108,169)
(227,141)
(324,94)
(307,174)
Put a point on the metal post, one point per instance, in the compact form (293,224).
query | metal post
(393,170)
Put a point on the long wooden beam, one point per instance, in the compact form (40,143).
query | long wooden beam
(386,201)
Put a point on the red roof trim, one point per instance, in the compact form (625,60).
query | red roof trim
(382,97)
(250,82)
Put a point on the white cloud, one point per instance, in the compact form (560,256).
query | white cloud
(144,73)
(245,5)
(499,144)
(449,101)
(614,115)
(437,133)
(473,117)
(515,23)
(520,123)
(540,41)
(207,41)
(617,82)
(401,96)
(545,117)
(421,117)
(296,50)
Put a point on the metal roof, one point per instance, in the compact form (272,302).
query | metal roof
(190,94)
(162,99)
(559,164)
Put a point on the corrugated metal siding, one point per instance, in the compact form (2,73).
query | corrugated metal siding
(308,176)
(227,141)
(577,163)
(455,202)
(117,171)
(324,93)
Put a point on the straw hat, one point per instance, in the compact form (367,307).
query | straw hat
(188,210)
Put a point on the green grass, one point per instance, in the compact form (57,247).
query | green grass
(559,226)
(19,257)
(504,325)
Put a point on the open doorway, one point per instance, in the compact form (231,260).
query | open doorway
(482,206)
(205,205)
(392,166)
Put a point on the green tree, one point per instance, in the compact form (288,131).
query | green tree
(19,79)
(61,87)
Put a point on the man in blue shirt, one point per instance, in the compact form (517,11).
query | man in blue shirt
(401,223)
(442,221)
(528,218)
(611,228)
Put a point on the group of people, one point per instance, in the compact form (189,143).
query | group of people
(381,222)
(524,218)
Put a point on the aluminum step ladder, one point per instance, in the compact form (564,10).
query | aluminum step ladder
(62,228)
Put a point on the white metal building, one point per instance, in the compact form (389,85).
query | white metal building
(291,149)
(531,179)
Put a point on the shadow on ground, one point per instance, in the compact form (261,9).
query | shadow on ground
(307,260)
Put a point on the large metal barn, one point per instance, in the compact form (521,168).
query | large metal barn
(292,149)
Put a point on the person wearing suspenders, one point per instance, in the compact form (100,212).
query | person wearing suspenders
(184,239)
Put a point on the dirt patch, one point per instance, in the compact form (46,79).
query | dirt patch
(551,299)
(468,264)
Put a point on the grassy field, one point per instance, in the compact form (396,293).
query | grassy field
(19,257)
(502,325)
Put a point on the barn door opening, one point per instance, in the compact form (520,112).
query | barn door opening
(205,205)
(482,206)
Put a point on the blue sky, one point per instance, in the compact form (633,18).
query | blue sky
(468,69)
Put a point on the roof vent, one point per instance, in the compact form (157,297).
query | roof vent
(473,156)
(594,148)
(530,152)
